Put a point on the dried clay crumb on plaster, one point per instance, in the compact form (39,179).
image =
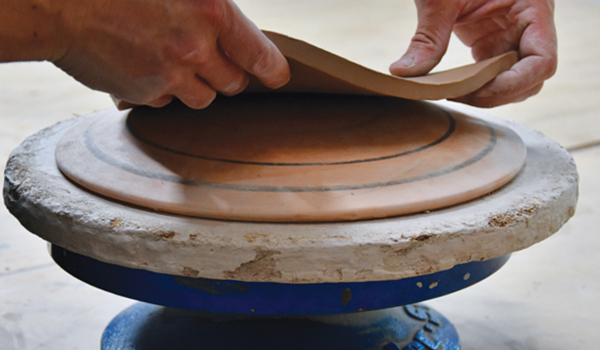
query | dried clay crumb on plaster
(529,209)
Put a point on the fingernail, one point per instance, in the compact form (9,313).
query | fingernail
(236,86)
(404,62)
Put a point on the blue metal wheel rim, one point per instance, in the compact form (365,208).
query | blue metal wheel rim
(269,298)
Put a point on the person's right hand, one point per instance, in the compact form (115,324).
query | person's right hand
(149,51)
(490,28)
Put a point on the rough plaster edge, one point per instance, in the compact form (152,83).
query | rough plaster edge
(529,209)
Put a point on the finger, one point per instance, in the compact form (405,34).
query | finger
(538,63)
(489,29)
(161,101)
(475,98)
(195,93)
(427,47)
(217,70)
(538,45)
(487,45)
(248,47)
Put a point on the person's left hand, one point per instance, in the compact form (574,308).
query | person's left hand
(490,28)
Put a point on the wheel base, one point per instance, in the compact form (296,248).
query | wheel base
(150,327)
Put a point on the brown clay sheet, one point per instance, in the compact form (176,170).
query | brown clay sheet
(319,71)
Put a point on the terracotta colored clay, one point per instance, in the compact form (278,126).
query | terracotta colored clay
(316,70)
(296,157)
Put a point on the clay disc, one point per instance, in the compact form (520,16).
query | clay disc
(291,157)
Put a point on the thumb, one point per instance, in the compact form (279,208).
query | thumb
(429,44)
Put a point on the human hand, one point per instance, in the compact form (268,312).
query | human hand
(489,27)
(149,51)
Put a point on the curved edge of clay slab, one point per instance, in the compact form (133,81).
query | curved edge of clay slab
(529,209)
(319,71)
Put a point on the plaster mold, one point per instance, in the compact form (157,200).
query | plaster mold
(535,204)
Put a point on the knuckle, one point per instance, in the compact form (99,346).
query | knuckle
(425,40)
(172,82)
(215,12)
(194,51)
(197,56)
(428,43)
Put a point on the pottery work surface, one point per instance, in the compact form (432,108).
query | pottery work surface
(535,204)
(315,70)
(290,158)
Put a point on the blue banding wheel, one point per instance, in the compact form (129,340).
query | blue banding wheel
(151,327)
(268,298)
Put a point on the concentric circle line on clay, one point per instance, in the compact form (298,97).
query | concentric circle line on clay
(175,179)
(447,134)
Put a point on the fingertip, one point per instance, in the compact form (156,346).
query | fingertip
(121,104)
(197,97)
(486,98)
(430,41)
(236,86)
(418,60)
(199,102)
(402,67)
(280,80)
(274,72)
(254,52)
(160,102)
(462,99)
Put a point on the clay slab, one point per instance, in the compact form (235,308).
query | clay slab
(291,157)
(318,71)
